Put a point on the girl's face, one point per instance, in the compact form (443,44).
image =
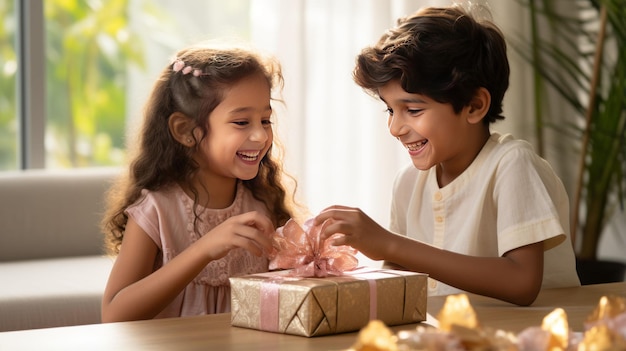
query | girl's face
(432,132)
(239,132)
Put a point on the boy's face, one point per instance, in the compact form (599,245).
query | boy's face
(432,132)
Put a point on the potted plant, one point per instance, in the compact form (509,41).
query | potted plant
(586,67)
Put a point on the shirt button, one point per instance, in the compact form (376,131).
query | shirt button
(438,196)
(438,219)
(432,283)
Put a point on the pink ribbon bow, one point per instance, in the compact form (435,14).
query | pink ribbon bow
(300,248)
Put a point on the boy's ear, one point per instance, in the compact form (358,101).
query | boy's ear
(182,128)
(479,106)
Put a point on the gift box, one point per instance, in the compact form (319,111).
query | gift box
(279,302)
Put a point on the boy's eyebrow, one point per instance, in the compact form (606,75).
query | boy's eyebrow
(407,100)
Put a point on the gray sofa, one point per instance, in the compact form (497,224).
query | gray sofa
(52,264)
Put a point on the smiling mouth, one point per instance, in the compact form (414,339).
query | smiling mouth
(416,146)
(249,155)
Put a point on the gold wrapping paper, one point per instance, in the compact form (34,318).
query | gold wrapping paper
(321,306)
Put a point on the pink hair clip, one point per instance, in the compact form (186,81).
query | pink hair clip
(180,66)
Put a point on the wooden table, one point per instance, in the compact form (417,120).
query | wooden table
(213,332)
(578,303)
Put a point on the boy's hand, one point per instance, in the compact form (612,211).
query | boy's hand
(356,229)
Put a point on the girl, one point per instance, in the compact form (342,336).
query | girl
(203,193)
(477,211)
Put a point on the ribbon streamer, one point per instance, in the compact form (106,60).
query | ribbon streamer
(300,249)
(269,316)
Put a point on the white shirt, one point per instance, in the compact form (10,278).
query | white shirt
(507,198)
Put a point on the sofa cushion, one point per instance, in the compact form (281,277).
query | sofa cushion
(52,292)
(47,214)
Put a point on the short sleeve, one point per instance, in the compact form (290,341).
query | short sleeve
(531,201)
(145,213)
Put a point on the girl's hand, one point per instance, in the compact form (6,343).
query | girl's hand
(134,291)
(251,231)
(357,230)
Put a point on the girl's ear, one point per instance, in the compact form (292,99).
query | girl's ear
(181,128)
(479,106)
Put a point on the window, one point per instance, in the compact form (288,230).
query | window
(8,104)
(84,68)
(88,47)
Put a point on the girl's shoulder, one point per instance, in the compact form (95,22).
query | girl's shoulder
(158,198)
(173,196)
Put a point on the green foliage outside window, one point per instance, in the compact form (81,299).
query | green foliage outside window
(89,47)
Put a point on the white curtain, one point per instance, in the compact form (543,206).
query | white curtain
(335,136)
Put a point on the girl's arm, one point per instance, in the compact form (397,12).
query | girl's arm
(516,277)
(135,292)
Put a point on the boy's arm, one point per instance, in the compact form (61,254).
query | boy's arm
(515,277)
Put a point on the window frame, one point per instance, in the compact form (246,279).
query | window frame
(31,93)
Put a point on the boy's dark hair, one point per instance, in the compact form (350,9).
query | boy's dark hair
(442,53)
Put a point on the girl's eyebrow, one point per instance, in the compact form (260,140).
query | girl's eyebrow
(248,108)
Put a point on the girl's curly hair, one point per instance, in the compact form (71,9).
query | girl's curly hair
(160,160)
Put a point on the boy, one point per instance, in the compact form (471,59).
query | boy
(477,211)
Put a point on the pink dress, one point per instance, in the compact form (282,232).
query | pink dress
(167,216)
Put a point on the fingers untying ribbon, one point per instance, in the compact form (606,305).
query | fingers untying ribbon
(301,249)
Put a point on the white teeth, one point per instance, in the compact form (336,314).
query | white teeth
(249,155)
(416,146)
